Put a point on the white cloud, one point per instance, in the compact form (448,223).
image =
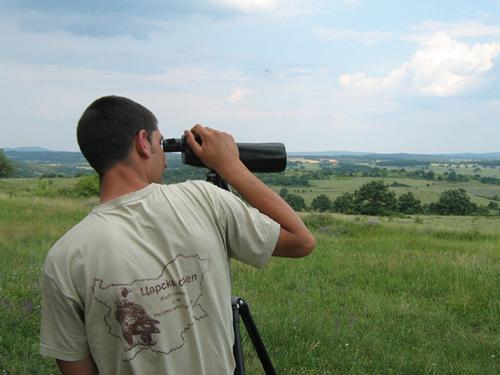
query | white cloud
(366,37)
(373,85)
(440,67)
(463,29)
(445,67)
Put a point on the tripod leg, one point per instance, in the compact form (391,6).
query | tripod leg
(253,332)
(237,348)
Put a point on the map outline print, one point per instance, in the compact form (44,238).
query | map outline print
(141,346)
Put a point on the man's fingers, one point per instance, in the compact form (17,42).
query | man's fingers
(201,130)
(193,145)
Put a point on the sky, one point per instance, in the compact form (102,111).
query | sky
(358,75)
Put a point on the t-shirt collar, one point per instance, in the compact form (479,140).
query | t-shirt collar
(125,199)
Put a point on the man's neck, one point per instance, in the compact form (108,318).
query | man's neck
(120,180)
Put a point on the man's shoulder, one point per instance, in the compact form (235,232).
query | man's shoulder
(69,245)
(194,187)
(192,184)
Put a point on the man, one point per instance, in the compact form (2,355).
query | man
(142,284)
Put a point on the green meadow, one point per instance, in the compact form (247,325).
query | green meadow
(394,295)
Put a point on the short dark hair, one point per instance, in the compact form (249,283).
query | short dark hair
(107,128)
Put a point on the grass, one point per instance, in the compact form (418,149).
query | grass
(413,295)
(380,298)
(28,228)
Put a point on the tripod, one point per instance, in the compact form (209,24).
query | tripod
(241,310)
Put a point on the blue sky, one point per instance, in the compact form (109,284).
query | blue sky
(358,75)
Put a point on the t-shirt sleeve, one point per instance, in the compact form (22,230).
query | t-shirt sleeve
(251,236)
(62,331)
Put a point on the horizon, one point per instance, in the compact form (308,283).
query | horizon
(310,153)
(384,77)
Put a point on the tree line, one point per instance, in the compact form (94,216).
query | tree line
(375,198)
(297,177)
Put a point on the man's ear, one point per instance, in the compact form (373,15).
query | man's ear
(142,143)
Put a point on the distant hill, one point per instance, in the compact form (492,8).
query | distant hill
(399,156)
(28,149)
(40,162)
(41,156)
(327,153)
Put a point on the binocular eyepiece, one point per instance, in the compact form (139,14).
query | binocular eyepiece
(257,157)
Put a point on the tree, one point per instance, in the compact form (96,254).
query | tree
(408,204)
(296,202)
(429,175)
(452,176)
(454,202)
(493,205)
(321,203)
(283,193)
(343,204)
(7,169)
(374,198)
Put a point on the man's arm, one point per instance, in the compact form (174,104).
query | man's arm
(219,152)
(83,367)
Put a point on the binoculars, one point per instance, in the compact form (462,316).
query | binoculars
(257,157)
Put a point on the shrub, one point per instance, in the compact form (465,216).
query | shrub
(86,186)
(316,221)
(44,188)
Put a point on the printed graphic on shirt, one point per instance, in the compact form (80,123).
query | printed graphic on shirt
(155,313)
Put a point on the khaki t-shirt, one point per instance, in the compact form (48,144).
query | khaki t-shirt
(143,282)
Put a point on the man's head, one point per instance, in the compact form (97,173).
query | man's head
(108,128)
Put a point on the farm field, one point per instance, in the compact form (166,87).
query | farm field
(409,295)
(426,191)
(465,169)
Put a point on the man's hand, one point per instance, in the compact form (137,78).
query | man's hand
(219,152)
